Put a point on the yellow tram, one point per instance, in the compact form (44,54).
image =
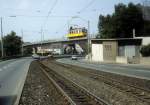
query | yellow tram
(76,32)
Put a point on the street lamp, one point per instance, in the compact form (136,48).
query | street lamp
(22,43)
(2,44)
(13,16)
(88,35)
(42,36)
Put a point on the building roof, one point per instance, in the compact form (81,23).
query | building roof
(121,41)
(115,39)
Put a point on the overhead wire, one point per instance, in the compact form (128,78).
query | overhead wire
(86,6)
(44,24)
(49,12)
(66,24)
(52,16)
(79,12)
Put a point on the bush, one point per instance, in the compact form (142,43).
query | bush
(145,50)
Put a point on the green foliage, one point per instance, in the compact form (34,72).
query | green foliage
(145,51)
(105,28)
(122,22)
(146,28)
(12,44)
(28,51)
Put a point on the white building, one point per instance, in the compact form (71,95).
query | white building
(124,50)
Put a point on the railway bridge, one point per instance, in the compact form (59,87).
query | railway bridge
(68,46)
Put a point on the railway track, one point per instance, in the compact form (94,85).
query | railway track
(72,92)
(137,92)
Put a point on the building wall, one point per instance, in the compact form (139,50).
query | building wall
(128,54)
(129,51)
(110,51)
(121,51)
(97,52)
(137,51)
(145,60)
(146,40)
(122,59)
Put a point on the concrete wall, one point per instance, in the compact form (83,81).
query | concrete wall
(145,60)
(127,60)
(122,59)
(128,54)
(82,43)
(129,51)
(134,60)
(146,40)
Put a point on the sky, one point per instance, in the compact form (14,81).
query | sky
(53,17)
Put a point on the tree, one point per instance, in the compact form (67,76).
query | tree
(145,50)
(12,44)
(106,26)
(28,51)
(146,27)
(122,22)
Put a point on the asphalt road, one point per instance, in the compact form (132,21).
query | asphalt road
(128,70)
(12,78)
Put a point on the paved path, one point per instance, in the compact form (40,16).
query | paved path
(128,70)
(12,78)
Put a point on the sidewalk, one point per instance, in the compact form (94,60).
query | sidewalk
(130,70)
(145,66)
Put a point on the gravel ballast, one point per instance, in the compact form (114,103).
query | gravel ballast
(102,90)
(38,90)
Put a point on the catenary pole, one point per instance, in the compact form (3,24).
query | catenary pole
(2,48)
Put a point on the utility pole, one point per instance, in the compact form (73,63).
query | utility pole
(133,33)
(2,49)
(88,35)
(22,43)
(88,39)
(41,40)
